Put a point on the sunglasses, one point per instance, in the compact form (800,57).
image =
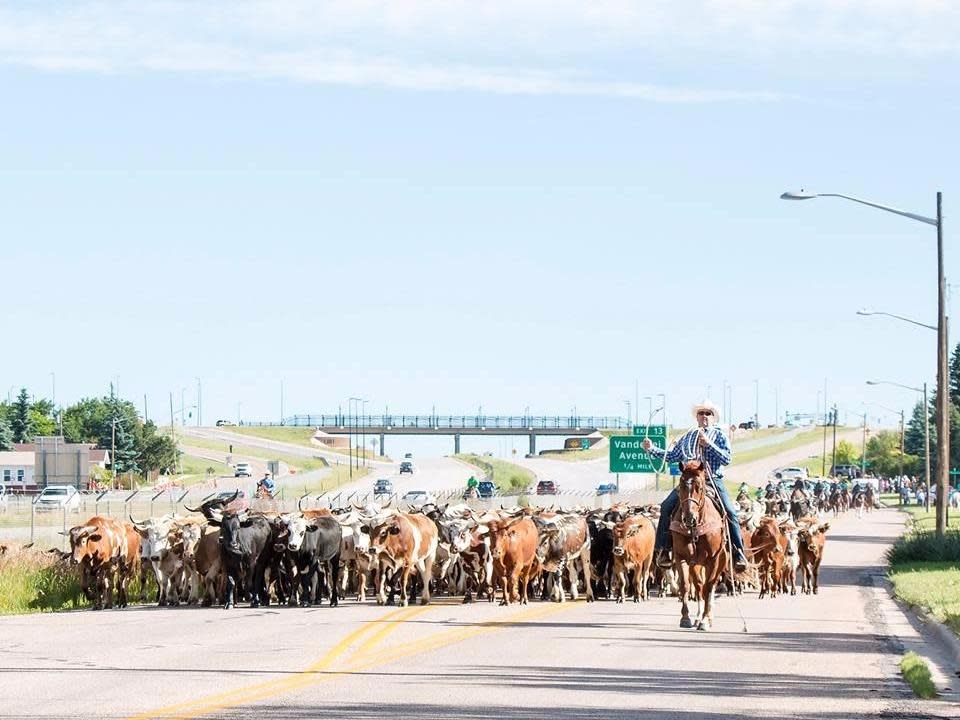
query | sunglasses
(704,412)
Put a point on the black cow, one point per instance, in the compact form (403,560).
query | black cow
(310,544)
(245,550)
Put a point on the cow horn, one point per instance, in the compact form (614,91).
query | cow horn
(135,523)
(356,507)
(190,509)
(300,502)
(389,503)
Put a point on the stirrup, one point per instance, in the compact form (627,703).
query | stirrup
(664,559)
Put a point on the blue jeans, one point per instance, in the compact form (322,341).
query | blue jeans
(670,502)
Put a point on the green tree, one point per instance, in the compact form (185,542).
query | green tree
(83,421)
(955,376)
(20,422)
(157,452)
(6,435)
(846,453)
(119,432)
(42,424)
(883,455)
(913,435)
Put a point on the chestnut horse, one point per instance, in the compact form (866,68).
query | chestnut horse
(699,551)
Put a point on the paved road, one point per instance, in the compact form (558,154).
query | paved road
(431,473)
(830,656)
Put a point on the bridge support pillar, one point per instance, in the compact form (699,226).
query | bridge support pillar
(533,444)
(456,444)
(383,453)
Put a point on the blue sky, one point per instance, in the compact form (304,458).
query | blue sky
(505,204)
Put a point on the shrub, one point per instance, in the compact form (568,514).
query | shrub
(925,546)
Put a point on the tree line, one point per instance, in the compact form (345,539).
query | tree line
(106,422)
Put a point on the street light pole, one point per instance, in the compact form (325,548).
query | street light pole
(943,417)
(943,392)
(756,403)
(199,404)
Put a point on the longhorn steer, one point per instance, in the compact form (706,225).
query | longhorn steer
(811,541)
(155,534)
(633,541)
(100,547)
(513,547)
(564,544)
(402,543)
(310,544)
(768,554)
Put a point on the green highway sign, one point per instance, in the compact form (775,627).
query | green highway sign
(628,456)
(657,433)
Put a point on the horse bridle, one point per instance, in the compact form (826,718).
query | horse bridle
(691,513)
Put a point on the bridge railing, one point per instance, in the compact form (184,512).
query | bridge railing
(453,422)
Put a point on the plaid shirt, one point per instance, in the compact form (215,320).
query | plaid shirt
(715,455)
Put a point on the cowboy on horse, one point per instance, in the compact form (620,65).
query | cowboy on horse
(707,443)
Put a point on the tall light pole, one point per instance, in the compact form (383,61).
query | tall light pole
(926,430)
(756,403)
(943,417)
(199,403)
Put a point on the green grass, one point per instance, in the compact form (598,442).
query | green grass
(195,469)
(34,581)
(931,586)
(924,520)
(506,475)
(302,464)
(295,436)
(802,438)
(917,674)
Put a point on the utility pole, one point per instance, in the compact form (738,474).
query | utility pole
(901,443)
(281,401)
(863,448)
(823,468)
(145,408)
(199,405)
(171,412)
(943,384)
(113,436)
(834,468)
(756,403)
(926,445)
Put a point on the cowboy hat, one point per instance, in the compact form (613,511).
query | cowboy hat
(706,405)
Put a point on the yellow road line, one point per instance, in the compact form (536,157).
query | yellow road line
(193,708)
(358,660)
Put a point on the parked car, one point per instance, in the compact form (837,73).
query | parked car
(486,489)
(57,497)
(547,487)
(406,467)
(748,425)
(791,474)
(606,488)
(223,423)
(848,471)
(383,486)
(408,456)
(418,497)
(242,469)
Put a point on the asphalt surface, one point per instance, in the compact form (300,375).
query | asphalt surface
(829,656)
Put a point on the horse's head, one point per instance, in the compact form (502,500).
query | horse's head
(692,491)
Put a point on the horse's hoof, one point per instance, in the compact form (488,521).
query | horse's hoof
(703,625)
(686,623)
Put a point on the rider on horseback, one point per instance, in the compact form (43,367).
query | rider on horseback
(706,442)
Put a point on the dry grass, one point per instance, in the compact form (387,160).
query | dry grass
(35,581)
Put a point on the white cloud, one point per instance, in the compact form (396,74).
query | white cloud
(501,46)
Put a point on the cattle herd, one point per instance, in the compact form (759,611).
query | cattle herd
(227,553)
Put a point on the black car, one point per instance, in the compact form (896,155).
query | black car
(406,467)
(486,489)
(748,425)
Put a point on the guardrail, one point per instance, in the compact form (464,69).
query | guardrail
(451,422)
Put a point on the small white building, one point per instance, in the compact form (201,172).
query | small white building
(16,468)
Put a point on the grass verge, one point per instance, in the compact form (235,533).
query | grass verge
(932,586)
(506,475)
(35,581)
(917,674)
(297,436)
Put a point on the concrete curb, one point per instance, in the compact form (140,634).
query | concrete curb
(941,632)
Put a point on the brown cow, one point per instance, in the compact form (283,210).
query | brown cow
(811,541)
(209,566)
(401,543)
(98,547)
(513,547)
(768,555)
(129,563)
(633,541)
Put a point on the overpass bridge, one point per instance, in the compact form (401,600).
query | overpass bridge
(455,425)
